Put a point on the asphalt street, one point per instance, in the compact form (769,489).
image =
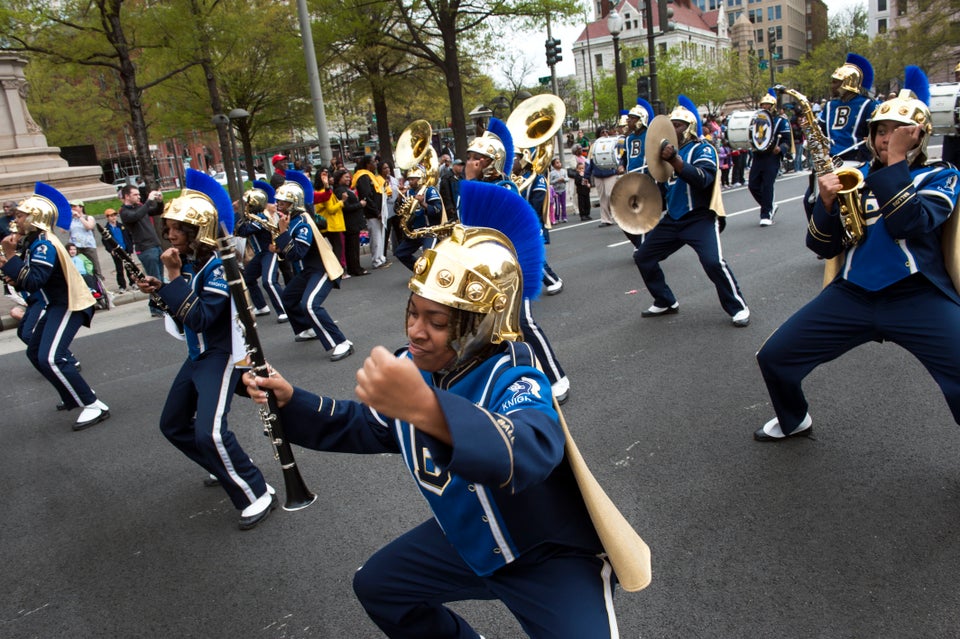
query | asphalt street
(852,534)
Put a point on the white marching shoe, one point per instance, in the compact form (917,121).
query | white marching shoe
(306,335)
(92,414)
(341,351)
(263,310)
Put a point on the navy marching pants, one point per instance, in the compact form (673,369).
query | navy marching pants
(537,339)
(763,175)
(49,352)
(194,419)
(912,313)
(264,267)
(702,233)
(303,298)
(554,592)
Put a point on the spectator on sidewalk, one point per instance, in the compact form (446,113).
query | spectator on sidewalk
(124,240)
(146,243)
(83,237)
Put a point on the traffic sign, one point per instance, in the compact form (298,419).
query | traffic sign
(637,62)
(545,80)
(763,64)
(776,56)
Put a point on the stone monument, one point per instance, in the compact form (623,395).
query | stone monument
(25,157)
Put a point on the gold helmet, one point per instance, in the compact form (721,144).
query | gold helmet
(490,146)
(203,204)
(475,270)
(855,74)
(768,100)
(643,111)
(291,192)
(46,208)
(909,107)
(687,112)
(254,201)
(41,212)
(417,172)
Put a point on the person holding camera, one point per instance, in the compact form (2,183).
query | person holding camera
(83,237)
(139,219)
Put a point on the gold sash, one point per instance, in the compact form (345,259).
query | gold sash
(628,553)
(330,262)
(78,292)
(716,198)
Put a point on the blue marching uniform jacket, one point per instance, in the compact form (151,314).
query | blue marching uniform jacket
(846,123)
(692,194)
(297,246)
(902,237)
(257,234)
(39,272)
(504,487)
(201,300)
(431,213)
(634,157)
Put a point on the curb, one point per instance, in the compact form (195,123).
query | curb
(8,323)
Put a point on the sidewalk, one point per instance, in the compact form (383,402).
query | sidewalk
(109,282)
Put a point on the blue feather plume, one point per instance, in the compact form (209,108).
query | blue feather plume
(915,80)
(306,185)
(266,188)
(688,104)
(499,129)
(200,181)
(624,112)
(772,91)
(646,107)
(64,213)
(492,206)
(864,65)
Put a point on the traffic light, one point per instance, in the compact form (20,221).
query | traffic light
(665,9)
(553,51)
(643,87)
(772,40)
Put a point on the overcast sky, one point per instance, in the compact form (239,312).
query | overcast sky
(531,45)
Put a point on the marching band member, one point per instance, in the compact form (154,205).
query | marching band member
(602,170)
(535,192)
(846,117)
(320,270)
(429,212)
(464,404)
(894,283)
(45,269)
(766,163)
(194,418)
(691,220)
(488,156)
(263,266)
(634,145)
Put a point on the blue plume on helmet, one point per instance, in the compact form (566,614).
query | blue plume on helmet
(864,65)
(772,92)
(688,104)
(914,79)
(64,213)
(305,184)
(492,206)
(646,107)
(266,188)
(200,181)
(624,112)
(499,129)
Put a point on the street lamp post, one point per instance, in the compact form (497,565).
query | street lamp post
(240,117)
(615,27)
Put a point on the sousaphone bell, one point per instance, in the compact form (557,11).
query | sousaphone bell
(635,203)
(659,133)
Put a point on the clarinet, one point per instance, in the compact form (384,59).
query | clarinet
(134,272)
(297,494)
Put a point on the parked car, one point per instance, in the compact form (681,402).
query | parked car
(119,183)
(221,177)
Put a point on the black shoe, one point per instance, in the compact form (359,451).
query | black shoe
(657,311)
(246,523)
(104,415)
(761,436)
(603,224)
(63,406)
(562,399)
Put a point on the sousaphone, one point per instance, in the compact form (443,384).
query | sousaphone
(635,203)
(532,125)
(660,132)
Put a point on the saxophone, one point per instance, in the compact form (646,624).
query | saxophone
(851,181)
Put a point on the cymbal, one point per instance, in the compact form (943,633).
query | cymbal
(635,203)
(660,129)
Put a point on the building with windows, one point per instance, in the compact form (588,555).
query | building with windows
(798,27)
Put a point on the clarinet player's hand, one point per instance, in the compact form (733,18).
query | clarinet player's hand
(258,387)
(149,284)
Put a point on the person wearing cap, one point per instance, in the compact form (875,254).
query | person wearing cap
(124,240)
(279,162)
(82,235)
(450,187)
(46,268)
(765,166)
(194,417)
(893,284)
(693,218)
(466,407)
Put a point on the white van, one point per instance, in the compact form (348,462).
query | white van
(945,108)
